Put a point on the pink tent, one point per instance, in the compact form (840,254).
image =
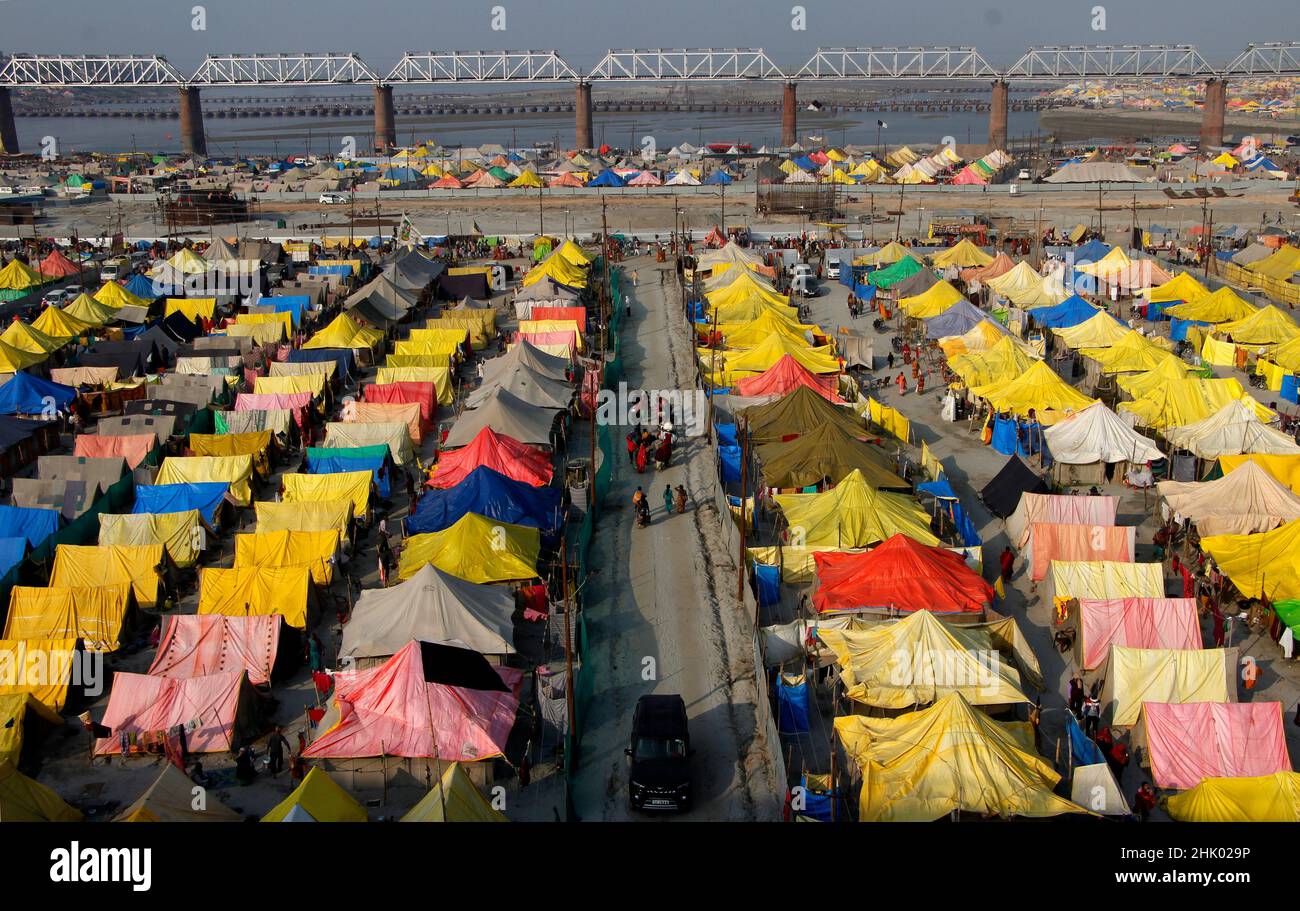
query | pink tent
(391,710)
(135,448)
(425,394)
(785,376)
(568,339)
(645,179)
(1059,510)
(967,177)
(447,182)
(1136,623)
(577,314)
(297,402)
(196,645)
(222,704)
(1048,542)
(1195,740)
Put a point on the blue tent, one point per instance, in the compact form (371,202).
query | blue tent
(144,287)
(32,524)
(12,551)
(27,394)
(492,494)
(807,163)
(343,357)
(1091,252)
(295,305)
(206,497)
(957,320)
(1069,312)
(607,178)
(375,459)
(717,178)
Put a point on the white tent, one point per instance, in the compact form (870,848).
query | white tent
(1083,443)
(1234,429)
(1094,787)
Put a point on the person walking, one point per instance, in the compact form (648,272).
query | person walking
(1007,562)
(1144,801)
(668,499)
(276,744)
(680,501)
(1091,713)
(1076,695)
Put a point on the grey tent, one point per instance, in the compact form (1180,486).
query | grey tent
(71,498)
(505,413)
(526,354)
(531,386)
(220,250)
(914,284)
(99,474)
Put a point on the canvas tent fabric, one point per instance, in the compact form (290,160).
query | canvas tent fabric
(963,255)
(40,667)
(1232,430)
(1176,403)
(1186,743)
(1144,623)
(854,514)
(1072,311)
(1286,468)
(475,549)
(506,414)
(1135,676)
(902,574)
(1049,542)
(797,413)
(179,533)
(454,799)
(1260,565)
(1100,331)
(497,451)
(491,494)
(1097,434)
(24,799)
(922,766)
(1104,579)
(16,710)
(353,486)
(930,302)
(1026,288)
(234,471)
(917,661)
(785,376)
(826,453)
(958,319)
(1094,786)
(139,703)
(195,645)
(1266,798)
(335,515)
(173,498)
(1222,306)
(430,606)
(1038,388)
(257,591)
(1241,502)
(1002,494)
(1134,353)
(170,798)
(319,798)
(317,550)
(1266,326)
(89,566)
(27,394)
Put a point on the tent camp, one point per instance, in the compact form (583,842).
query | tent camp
(901,574)
(476,549)
(1185,743)
(1002,494)
(170,798)
(1267,798)
(797,413)
(488,493)
(1134,676)
(825,454)
(1242,502)
(1085,445)
(506,414)
(236,471)
(1038,389)
(353,486)
(1103,579)
(1146,623)
(318,799)
(224,704)
(497,451)
(784,377)
(182,534)
(1232,430)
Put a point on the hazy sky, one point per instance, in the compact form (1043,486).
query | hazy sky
(380,30)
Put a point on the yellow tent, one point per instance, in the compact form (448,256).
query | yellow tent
(853,514)
(1225,160)
(741,290)
(255,443)
(237,471)
(1261,798)
(1141,384)
(314,549)
(24,799)
(1285,468)
(768,323)
(1114,263)
(318,799)
(1182,287)
(113,295)
(931,302)
(1026,288)
(332,515)
(1038,388)
(1280,265)
(345,332)
(440,377)
(13,720)
(18,276)
(733,365)
(1138,675)
(573,253)
(192,307)
(1287,355)
(963,255)
(90,311)
(1134,353)
(92,613)
(257,591)
(527,179)
(14,359)
(917,661)
(291,385)
(922,766)
(980,337)
(1221,306)
(171,799)
(1266,326)
(1098,331)
(1099,579)
(59,324)
(115,564)
(180,533)
(476,549)
(187,262)
(1261,565)
(887,255)
(454,799)
(1175,403)
(742,311)
(41,667)
(27,338)
(1001,363)
(353,486)
(558,268)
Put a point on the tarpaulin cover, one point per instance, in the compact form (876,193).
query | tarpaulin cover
(1134,353)
(1005,360)
(1026,288)
(476,549)
(1261,565)
(33,525)
(407,413)
(257,590)
(1050,542)
(297,404)
(173,498)
(491,494)
(1268,798)
(15,711)
(1038,388)
(853,514)
(345,332)
(135,448)
(41,667)
(917,661)
(12,552)
(191,307)
(454,799)
(1072,311)
(89,566)
(316,550)
(825,453)
(374,459)
(1232,430)
(1286,468)
(342,358)
(1003,493)
(1094,787)
(1266,326)
(353,486)
(1083,749)
(963,255)
(792,704)
(1097,434)
(526,354)
(175,531)
(1177,403)
(957,320)
(1061,510)
(901,573)
(431,606)
(24,799)
(1189,742)
(331,514)
(533,388)
(139,704)
(254,443)
(318,799)
(236,471)
(507,414)
(931,302)
(786,375)
(921,766)
(1138,675)
(1222,306)
(1100,580)
(27,394)
(396,436)
(93,614)
(799,412)
(440,377)
(195,645)
(1149,623)
(375,713)
(171,799)
(290,385)
(1242,502)
(423,394)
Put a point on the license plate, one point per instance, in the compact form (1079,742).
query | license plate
(660,803)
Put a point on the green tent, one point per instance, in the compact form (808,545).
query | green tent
(827,453)
(892,275)
(801,411)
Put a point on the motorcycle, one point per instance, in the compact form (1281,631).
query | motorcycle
(642,514)
(878,324)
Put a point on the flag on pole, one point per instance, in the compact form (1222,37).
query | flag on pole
(882,124)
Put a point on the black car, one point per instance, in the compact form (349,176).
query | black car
(659,774)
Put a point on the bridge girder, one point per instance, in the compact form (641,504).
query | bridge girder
(416,68)
(88,71)
(856,63)
(283,69)
(695,64)
(1135,60)
(1278,58)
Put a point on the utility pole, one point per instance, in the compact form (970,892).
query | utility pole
(541,226)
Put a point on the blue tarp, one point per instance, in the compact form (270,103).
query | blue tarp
(146,288)
(27,394)
(294,305)
(958,319)
(342,357)
(817,805)
(487,492)
(31,524)
(965,527)
(941,489)
(1011,436)
(606,179)
(12,551)
(717,178)
(1070,312)
(206,497)
(1289,391)
(767,579)
(337,461)
(1091,252)
(726,434)
(793,702)
(329,270)
(730,463)
(1083,749)
(1178,328)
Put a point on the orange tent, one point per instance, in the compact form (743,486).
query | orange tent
(785,376)
(901,573)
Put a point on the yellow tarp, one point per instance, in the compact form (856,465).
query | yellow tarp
(1176,403)
(180,533)
(260,333)
(890,420)
(530,326)
(1113,263)
(1266,326)
(919,660)
(733,365)
(980,337)
(255,443)
(770,322)
(1220,354)
(30,339)
(1038,388)
(18,276)
(332,515)
(320,798)
(58,323)
(288,385)
(187,262)
(1182,287)
(256,591)
(87,566)
(454,799)
(478,323)
(345,332)
(90,311)
(1002,363)
(1138,675)
(1142,384)
(439,376)
(24,799)
(314,549)
(798,564)
(237,471)
(1026,288)
(1287,356)
(439,361)
(1222,306)
(191,307)
(744,289)
(41,667)
(1266,564)
(559,269)
(353,486)
(1098,331)
(1134,353)
(887,255)
(13,718)
(963,255)
(283,320)
(853,514)
(1280,265)
(476,549)
(921,766)
(114,296)
(1262,798)
(930,302)
(93,614)
(1286,468)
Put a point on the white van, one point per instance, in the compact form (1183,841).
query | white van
(112,270)
(832,269)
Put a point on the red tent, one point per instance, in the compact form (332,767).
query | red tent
(446,182)
(56,265)
(787,375)
(426,394)
(497,451)
(901,573)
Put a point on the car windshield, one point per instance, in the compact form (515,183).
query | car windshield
(648,748)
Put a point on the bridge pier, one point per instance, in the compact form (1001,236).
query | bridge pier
(582,116)
(385,121)
(193,140)
(789,115)
(998,115)
(1212,112)
(8,129)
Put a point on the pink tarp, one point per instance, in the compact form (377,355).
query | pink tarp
(1058,510)
(576,314)
(426,394)
(391,710)
(568,339)
(1078,543)
(1136,623)
(196,645)
(134,448)
(295,402)
(1195,740)
(407,413)
(139,703)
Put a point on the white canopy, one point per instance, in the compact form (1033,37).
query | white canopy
(1232,430)
(1097,434)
